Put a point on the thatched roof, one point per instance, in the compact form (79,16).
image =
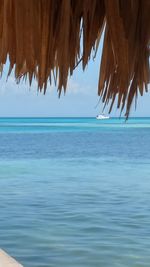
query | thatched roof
(43,39)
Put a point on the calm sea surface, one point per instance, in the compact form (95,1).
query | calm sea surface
(75,192)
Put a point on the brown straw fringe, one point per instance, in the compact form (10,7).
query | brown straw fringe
(43,39)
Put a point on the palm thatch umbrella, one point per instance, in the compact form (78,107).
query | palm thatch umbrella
(43,40)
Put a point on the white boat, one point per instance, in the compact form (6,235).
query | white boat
(102,117)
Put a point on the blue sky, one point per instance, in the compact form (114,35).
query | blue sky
(81,98)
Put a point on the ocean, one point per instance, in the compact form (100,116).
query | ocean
(75,192)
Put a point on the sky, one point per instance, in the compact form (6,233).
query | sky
(80,100)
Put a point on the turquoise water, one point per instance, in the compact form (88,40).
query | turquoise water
(75,192)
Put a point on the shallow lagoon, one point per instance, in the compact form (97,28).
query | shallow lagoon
(75,192)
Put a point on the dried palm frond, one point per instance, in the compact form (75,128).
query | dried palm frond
(43,39)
